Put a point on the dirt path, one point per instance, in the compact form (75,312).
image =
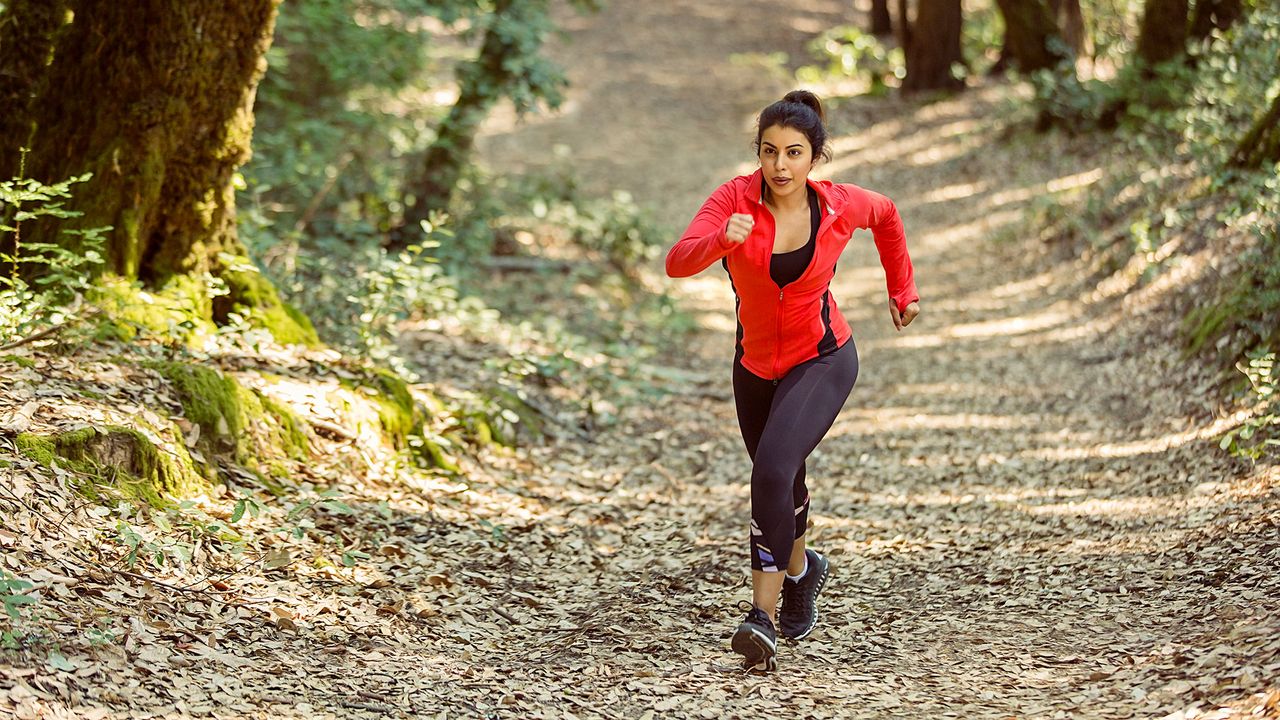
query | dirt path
(1023,522)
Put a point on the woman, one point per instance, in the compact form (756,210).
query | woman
(779,235)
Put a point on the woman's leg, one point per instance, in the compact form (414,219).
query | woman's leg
(803,408)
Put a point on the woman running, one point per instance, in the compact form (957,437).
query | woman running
(779,236)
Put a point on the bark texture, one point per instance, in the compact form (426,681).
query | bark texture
(1029,26)
(1163,33)
(27,32)
(932,45)
(881,22)
(154,97)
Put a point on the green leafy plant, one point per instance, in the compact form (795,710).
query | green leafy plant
(847,51)
(37,280)
(1260,434)
(13,595)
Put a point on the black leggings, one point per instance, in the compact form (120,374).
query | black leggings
(782,422)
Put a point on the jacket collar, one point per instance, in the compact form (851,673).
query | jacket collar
(755,188)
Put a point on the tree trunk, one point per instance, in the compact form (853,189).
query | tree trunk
(1261,145)
(1070,20)
(1163,33)
(155,98)
(1214,14)
(881,23)
(933,46)
(1028,30)
(27,32)
(483,83)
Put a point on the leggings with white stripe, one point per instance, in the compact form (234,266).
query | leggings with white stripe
(782,421)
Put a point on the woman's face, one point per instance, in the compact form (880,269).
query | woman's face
(786,159)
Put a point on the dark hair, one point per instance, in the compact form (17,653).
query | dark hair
(801,110)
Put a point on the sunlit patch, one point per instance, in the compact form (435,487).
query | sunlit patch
(1158,444)
(957,191)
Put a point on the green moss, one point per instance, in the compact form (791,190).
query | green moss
(20,361)
(179,310)
(37,448)
(255,296)
(249,427)
(208,398)
(119,457)
(293,434)
(398,413)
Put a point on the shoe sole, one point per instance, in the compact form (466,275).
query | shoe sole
(822,583)
(755,646)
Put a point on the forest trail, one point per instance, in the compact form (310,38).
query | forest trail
(1023,521)
(1025,509)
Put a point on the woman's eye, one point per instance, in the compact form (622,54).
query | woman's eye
(794,153)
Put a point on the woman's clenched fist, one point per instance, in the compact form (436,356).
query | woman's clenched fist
(739,227)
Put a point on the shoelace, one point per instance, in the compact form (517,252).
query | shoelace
(795,599)
(755,615)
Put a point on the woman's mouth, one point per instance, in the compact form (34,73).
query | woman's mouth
(781,180)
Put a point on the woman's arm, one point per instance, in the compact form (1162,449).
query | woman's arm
(704,241)
(878,213)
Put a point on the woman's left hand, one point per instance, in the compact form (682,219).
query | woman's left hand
(904,318)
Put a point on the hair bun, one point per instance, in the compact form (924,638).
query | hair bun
(808,99)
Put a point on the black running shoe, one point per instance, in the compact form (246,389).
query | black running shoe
(799,613)
(756,641)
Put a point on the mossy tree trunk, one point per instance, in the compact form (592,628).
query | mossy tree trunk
(1028,35)
(155,98)
(1162,35)
(1261,145)
(27,32)
(931,45)
(881,22)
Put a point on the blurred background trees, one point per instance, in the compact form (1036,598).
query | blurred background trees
(343,176)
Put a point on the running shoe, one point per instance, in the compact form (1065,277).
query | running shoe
(756,641)
(799,613)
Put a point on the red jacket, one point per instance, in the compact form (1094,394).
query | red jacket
(779,328)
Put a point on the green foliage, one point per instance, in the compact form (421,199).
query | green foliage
(847,51)
(1113,26)
(1259,435)
(1169,178)
(981,36)
(38,279)
(13,596)
(523,75)
(619,231)
(334,114)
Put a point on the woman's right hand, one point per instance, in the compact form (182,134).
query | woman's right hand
(739,227)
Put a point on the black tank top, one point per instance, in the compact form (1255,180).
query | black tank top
(787,267)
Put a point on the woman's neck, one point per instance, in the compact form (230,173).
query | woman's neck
(797,201)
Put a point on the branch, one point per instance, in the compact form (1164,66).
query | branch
(53,328)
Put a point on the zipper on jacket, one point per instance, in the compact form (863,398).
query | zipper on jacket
(777,343)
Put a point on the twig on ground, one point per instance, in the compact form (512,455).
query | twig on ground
(332,429)
(509,617)
(374,707)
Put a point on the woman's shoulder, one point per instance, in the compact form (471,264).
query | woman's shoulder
(735,185)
